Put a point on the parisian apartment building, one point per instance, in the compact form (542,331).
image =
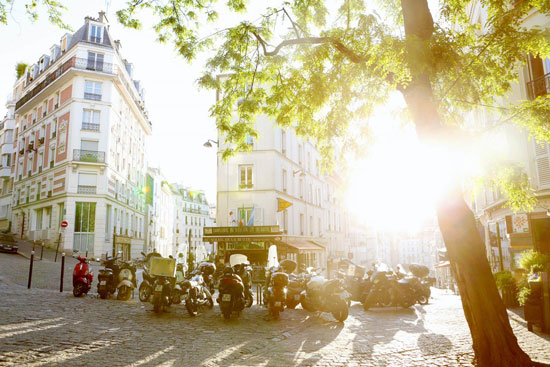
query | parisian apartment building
(283,167)
(7,131)
(176,217)
(507,233)
(79,127)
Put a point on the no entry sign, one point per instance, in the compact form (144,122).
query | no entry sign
(64,224)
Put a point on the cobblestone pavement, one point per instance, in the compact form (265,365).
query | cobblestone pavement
(41,327)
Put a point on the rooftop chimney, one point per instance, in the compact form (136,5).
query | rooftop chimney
(102,18)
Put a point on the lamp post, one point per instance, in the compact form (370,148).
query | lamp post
(208,143)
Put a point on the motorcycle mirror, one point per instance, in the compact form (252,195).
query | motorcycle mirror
(143,253)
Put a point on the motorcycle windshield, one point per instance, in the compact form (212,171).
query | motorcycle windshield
(237,259)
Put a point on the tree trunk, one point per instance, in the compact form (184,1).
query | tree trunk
(494,342)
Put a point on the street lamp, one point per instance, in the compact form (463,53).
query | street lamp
(209,142)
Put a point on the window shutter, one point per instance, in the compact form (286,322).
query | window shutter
(258,216)
(543,164)
(87,179)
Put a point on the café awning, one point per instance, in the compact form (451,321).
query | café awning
(302,245)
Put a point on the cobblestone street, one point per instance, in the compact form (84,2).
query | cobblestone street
(42,327)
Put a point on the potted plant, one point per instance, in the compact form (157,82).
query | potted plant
(507,287)
(530,286)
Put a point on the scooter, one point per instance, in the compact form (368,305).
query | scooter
(326,296)
(82,277)
(231,290)
(198,294)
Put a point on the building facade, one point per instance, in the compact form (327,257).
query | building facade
(7,131)
(280,183)
(79,147)
(508,234)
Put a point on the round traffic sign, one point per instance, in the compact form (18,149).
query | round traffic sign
(64,224)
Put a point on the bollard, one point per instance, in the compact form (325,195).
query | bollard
(62,271)
(30,270)
(42,251)
(86,254)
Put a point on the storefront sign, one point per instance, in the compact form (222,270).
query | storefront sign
(233,231)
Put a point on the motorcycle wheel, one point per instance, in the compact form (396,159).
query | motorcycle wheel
(103,294)
(124,293)
(274,313)
(423,300)
(291,304)
(340,311)
(249,301)
(144,292)
(191,306)
(226,314)
(79,289)
(210,302)
(176,299)
(157,304)
(305,305)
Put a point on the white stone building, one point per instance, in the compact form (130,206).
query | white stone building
(283,167)
(80,142)
(516,232)
(7,130)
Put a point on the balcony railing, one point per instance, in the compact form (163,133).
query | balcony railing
(74,62)
(92,96)
(539,87)
(89,126)
(88,156)
(82,189)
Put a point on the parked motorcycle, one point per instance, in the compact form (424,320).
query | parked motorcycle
(231,289)
(146,287)
(126,280)
(244,270)
(355,281)
(208,270)
(326,296)
(180,288)
(163,270)
(198,294)
(108,277)
(82,277)
(388,290)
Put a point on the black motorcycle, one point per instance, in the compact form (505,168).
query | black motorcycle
(244,272)
(116,276)
(164,271)
(198,294)
(230,293)
(146,287)
(387,290)
(326,296)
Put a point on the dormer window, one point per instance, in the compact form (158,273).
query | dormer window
(64,44)
(95,33)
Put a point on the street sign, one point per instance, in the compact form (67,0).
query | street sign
(64,224)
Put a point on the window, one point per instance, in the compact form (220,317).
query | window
(87,183)
(39,218)
(283,141)
(95,33)
(284,180)
(244,216)
(95,61)
(249,140)
(90,145)
(285,221)
(92,91)
(310,225)
(90,120)
(245,177)
(84,227)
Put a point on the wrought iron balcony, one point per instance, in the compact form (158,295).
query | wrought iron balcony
(539,87)
(88,156)
(74,62)
(92,96)
(89,126)
(82,189)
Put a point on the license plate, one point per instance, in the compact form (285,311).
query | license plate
(277,304)
(297,297)
(103,282)
(226,297)
(158,288)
